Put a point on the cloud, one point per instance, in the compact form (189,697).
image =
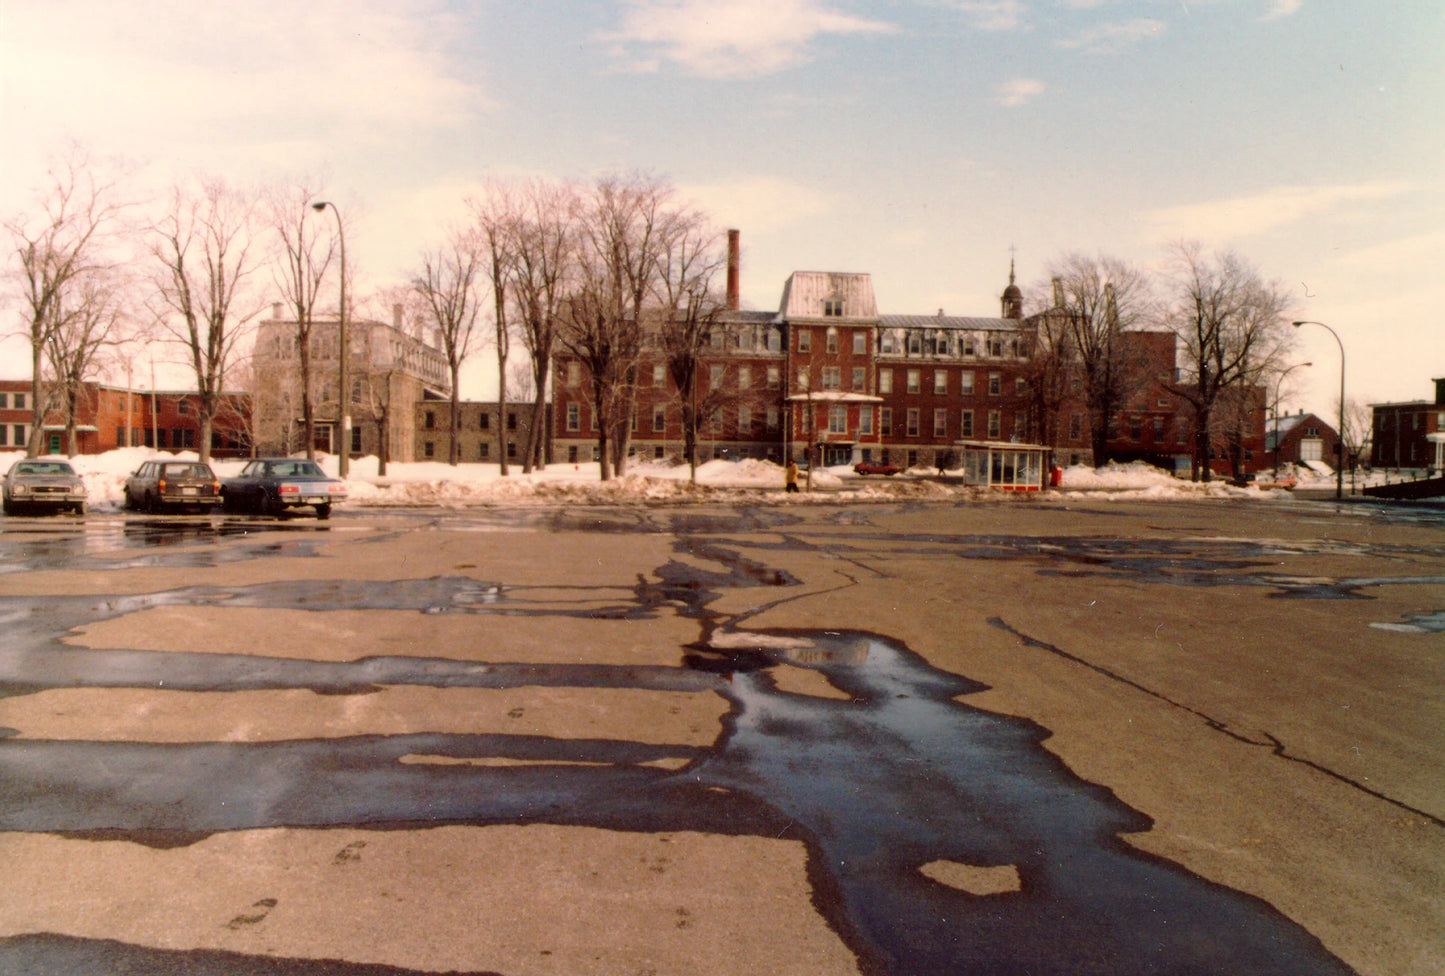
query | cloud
(1283,8)
(761,204)
(728,38)
(1259,213)
(991,15)
(1018,92)
(153,76)
(1110,38)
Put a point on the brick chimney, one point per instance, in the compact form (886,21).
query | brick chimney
(733,268)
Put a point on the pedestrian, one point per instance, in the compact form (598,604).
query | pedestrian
(790,475)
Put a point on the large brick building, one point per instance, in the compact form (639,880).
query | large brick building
(829,376)
(1409,435)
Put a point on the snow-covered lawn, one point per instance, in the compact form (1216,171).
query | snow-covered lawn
(435,483)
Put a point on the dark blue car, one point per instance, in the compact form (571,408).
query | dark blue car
(272,485)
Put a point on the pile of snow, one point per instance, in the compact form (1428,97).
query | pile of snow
(434,483)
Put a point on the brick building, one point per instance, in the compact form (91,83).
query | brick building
(1409,435)
(1301,437)
(477,429)
(108,417)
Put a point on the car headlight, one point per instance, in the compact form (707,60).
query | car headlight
(19,489)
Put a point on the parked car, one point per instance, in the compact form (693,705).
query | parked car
(272,485)
(875,467)
(43,483)
(157,485)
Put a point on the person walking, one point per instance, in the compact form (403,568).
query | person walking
(790,475)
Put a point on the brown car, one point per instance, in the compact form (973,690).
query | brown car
(158,485)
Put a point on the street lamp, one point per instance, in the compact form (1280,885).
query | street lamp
(1339,467)
(1277,385)
(344,387)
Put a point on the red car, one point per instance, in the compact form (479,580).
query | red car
(875,467)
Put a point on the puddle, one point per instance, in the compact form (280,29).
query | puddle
(906,799)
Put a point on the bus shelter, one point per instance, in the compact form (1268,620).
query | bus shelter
(998,464)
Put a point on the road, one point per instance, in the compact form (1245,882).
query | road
(1043,735)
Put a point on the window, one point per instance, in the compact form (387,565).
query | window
(772,418)
(745,377)
(355,440)
(913,381)
(994,425)
(805,340)
(429,449)
(574,373)
(915,343)
(1021,385)
(659,419)
(715,377)
(803,380)
(995,384)
(859,380)
(1158,429)
(886,421)
(888,342)
(745,419)
(574,417)
(659,376)
(837,419)
(775,340)
(940,423)
(995,346)
(4,401)
(20,401)
(429,420)
(913,422)
(860,342)
(511,421)
(940,381)
(865,420)
(833,308)
(658,453)
(484,421)
(511,449)
(774,377)
(885,381)
(183,407)
(965,382)
(484,451)
(5,433)
(967,347)
(965,424)
(831,377)
(832,340)
(1021,424)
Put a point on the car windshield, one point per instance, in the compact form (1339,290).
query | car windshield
(187,471)
(294,469)
(43,467)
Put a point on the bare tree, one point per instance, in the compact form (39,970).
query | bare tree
(67,238)
(88,319)
(1358,431)
(206,250)
(688,261)
(617,267)
(497,231)
(305,253)
(448,283)
(1231,325)
(1100,297)
(543,252)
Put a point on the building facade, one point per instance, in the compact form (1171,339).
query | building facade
(1409,435)
(390,371)
(829,377)
(478,429)
(1301,438)
(110,417)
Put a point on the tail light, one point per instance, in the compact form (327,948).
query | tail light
(161,485)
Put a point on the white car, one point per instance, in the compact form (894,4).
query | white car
(43,483)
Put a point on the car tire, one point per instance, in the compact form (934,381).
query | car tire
(8,508)
(323,511)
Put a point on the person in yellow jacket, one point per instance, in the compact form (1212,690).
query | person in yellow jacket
(790,475)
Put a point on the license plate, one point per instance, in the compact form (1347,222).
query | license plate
(190,491)
(314,500)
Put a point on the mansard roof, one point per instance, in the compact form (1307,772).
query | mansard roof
(805,292)
(959,323)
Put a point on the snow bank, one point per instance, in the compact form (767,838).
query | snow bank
(433,483)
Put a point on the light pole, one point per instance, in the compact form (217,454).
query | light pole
(1277,385)
(343,464)
(1340,466)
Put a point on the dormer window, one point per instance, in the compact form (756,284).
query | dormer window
(833,308)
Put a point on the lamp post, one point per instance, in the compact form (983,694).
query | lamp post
(1339,467)
(1277,385)
(343,464)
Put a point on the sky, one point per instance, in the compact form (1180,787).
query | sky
(928,142)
